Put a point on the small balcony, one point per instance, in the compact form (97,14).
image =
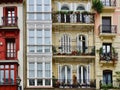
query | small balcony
(73,52)
(107,30)
(109,5)
(9,21)
(73,20)
(68,83)
(109,58)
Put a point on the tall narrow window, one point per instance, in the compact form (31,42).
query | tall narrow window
(10,48)
(10,16)
(65,44)
(81,46)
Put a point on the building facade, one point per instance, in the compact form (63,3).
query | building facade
(68,44)
(39,44)
(11,44)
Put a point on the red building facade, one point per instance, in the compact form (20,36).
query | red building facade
(9,45)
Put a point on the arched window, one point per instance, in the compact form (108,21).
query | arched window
(64,8)
(82,74)
(80,8)
(107,77)
(81,46)
(66,74)
(65,44)
(65,17)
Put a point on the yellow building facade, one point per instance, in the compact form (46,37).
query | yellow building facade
(85,44)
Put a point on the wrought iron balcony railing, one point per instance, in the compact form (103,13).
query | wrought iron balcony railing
(112,29)
(69,83)
(73,18)
(73,50)
(10,21)
(110,84)
(109,3)
(109,57)
(8,82)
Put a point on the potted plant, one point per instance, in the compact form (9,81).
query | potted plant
(97,5)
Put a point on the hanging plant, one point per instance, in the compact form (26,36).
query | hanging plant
(97,5)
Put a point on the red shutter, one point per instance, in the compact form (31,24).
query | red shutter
(15,8)
(4,11)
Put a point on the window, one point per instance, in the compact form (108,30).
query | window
(66,74)
(9,16)
(7,74)
(10,48)
(39,40)
(81,46)
(65,44)
(47,5)
(39,73)
(106,25)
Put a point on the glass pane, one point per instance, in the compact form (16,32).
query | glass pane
(31,1)
(39,41)
(47,73)
(47,41)
(39,32)
(46,1)
(47,66)
(39,82)
(47,17)
(31,40)
(47,82)
(31,49)
(1,66)
(47,49)
(12,76)
(31,32)
(39,66)
(39,73)
(31,82)
(6,66)
(31,8)
(11,66)
(47,8)
(39,49)
(39,1)
(39,16)
(1,76)
(31,66)
(39,8)
(31,73)
(30,16)
(47,33)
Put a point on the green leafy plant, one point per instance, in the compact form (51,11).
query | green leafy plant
(97,5)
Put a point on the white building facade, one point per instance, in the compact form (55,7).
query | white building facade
(39,43)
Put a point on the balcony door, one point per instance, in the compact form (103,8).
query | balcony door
(106,24)
(81,46)
(10,48)
(107,50)
(107,77)
(66,74)
(10,14)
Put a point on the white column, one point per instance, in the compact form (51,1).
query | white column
(43,73)
(71,69)
(81,74)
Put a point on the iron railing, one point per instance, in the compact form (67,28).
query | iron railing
(10,21)
(73,50)
(109,84)
(109,2)
(73,18)
(8,82)
(112,29)
(69,83)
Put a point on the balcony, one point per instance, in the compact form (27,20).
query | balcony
(109,58)
(109,5)
(107,30)
(67,83)
(73,52)
(10,21)
(11,1)
(74,20)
